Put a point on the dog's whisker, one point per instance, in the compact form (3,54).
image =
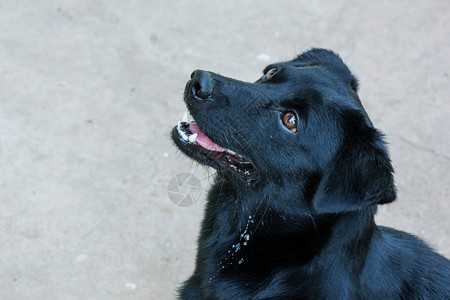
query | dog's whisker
(314,223)
(240,135)
(261,220)
(209,176)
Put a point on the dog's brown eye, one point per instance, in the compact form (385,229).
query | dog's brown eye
(269,74)
(289,120)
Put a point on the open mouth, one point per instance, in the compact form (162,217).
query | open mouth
(192,141)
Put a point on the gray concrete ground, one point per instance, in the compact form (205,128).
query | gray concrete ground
(89,91)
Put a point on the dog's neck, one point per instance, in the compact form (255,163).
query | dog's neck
(243,219)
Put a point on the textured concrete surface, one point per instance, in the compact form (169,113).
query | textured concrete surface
(89,91)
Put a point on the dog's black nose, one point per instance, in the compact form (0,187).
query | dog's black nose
(202,84)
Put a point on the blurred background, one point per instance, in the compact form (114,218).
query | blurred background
(89,91)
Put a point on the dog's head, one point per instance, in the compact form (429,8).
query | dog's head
(301,124)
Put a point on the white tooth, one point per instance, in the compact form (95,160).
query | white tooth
(179,128)
(193,138)
(184,136)
(186,117)
(231,151)
(190,118)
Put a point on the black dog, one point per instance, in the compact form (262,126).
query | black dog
(301,170)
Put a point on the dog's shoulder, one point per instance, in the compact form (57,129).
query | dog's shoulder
(408,266)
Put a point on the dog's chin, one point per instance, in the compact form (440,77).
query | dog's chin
(199,147)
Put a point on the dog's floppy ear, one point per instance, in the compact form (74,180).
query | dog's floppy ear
(360,174)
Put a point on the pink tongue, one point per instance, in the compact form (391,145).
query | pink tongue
(203,140)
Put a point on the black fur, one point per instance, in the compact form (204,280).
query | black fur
(304,228)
